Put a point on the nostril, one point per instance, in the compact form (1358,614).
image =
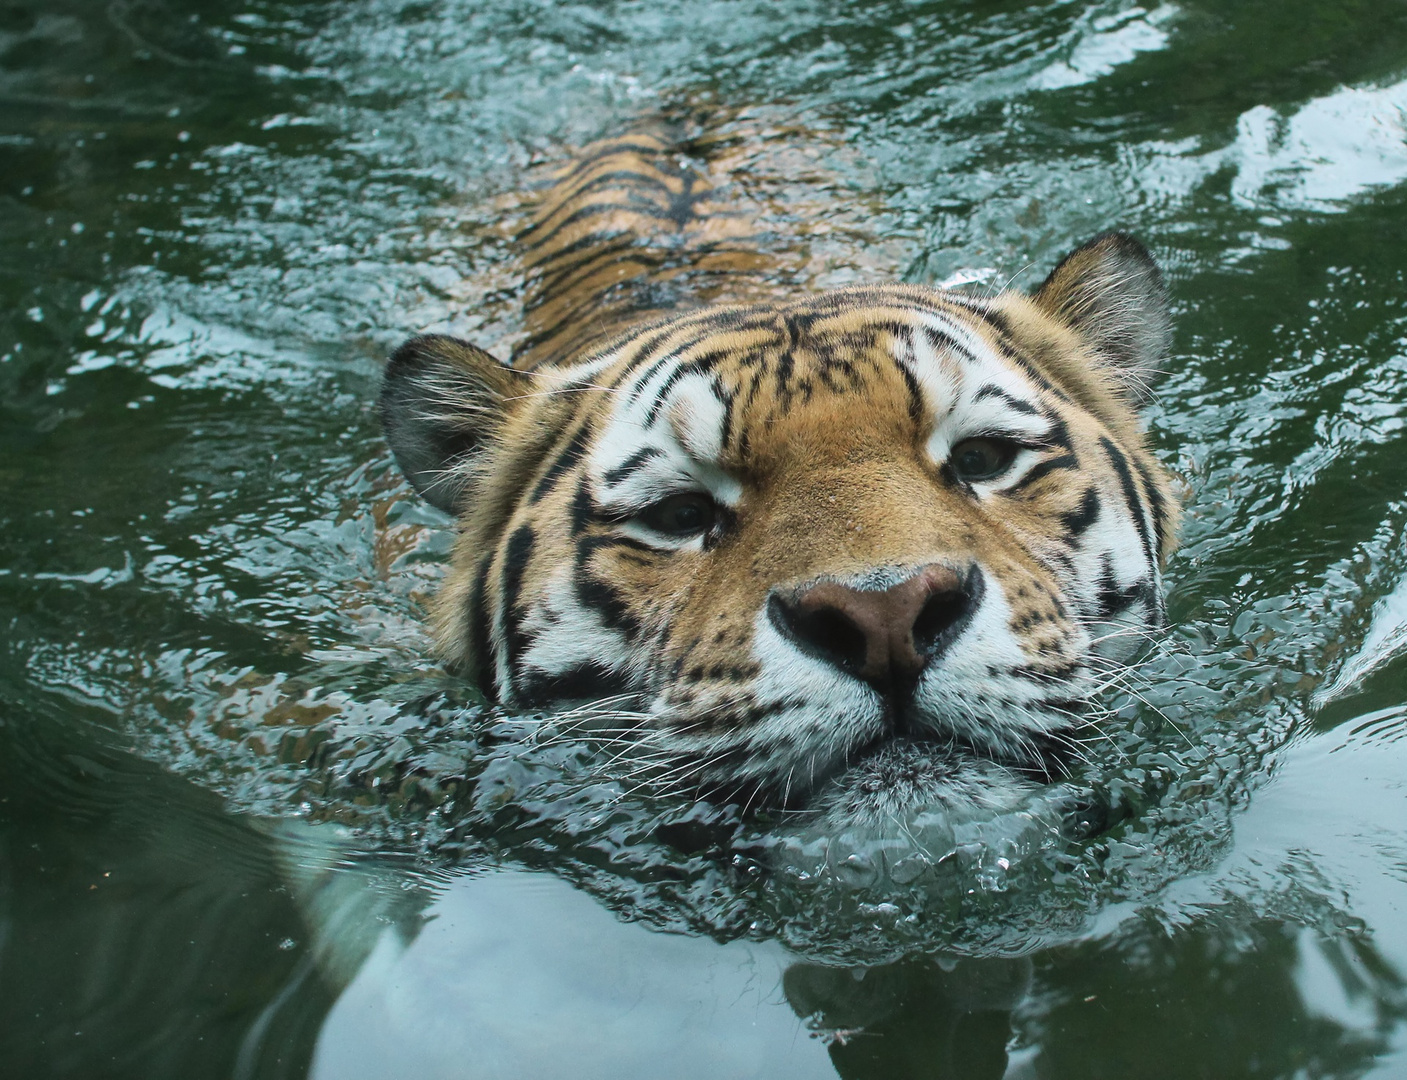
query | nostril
(936,617)
(884,636)
(825,632)
(944,615)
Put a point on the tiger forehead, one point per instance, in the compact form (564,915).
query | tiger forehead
(715,389)
(810,344)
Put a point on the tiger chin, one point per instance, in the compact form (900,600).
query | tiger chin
(868,551)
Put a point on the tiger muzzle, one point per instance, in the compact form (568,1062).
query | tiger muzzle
(882,636)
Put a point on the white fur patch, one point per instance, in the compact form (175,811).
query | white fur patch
(951,382)
(562,632)
(656,446)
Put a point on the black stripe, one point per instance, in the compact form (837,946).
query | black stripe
(937,341)
(551,272)
(995,319)
(839,376)
(644,207)
(726,428)
(704,323)
(1077,522)
(598,595)
(754,388)
(993,390)
(1155,498)
(647,356)
(1131,498)
(701,365)
(625,174)
(916,406)
(781,375)
(1115,601)
(628,544)
(1112,599)
(631,465)
(574,451)
(1058,436)
(583,510)
(1009,351)
(602,598)
(1044,468)
(485,671)
(590,680)
(658,328)
(902,331)
(611,180)
(515,561)
(612,147)
(681,206)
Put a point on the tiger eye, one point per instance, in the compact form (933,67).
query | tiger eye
(690,513)
(975,460)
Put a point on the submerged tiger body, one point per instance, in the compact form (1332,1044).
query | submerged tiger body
(867,550)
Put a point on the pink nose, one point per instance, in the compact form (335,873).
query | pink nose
(884,636)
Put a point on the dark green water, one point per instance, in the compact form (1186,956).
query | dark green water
(248,830)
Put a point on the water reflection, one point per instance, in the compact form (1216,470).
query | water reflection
(1239,1012)
(512,973)
(921,1017)
(144,932)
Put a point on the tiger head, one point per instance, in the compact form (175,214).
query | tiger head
(867,551)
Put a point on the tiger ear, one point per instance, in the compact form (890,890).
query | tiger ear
(1111,293)
(441,400)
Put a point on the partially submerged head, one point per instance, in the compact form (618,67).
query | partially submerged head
(868,550)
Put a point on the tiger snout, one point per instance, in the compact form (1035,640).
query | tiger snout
(882,635)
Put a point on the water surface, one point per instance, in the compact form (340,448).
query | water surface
(248,829)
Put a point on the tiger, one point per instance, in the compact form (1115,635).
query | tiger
(857,552)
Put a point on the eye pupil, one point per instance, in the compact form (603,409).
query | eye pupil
(686,514)
(981,459)
(974,461)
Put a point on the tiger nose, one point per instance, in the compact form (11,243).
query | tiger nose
(884,636)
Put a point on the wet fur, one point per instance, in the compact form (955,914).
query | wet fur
(819,424)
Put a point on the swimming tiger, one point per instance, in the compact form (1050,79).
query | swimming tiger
(864,550)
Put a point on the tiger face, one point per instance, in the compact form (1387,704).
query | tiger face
(867,551)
